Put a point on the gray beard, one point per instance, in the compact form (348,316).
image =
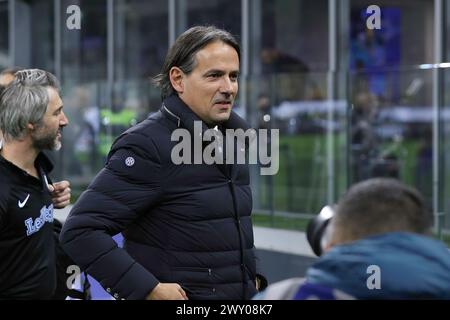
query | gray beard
(47,143)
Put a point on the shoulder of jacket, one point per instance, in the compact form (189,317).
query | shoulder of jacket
(151,136)
(155,127)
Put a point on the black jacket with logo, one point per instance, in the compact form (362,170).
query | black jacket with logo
(188,224)
(27,246)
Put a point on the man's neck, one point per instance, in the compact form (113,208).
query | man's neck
(21,153)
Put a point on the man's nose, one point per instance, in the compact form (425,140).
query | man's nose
(227,86)
(63,121)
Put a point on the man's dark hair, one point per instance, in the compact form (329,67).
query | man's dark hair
(378,206)
(183,51)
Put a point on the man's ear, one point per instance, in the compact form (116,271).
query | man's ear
(176,79)
(328,245)
(31,126)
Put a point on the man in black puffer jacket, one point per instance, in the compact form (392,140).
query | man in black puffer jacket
(187,227)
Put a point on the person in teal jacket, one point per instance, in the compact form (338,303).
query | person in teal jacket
(378,247)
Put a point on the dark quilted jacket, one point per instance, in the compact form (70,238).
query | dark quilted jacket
(188,224)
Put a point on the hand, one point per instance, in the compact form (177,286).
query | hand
(167,291)
(60,192)
(260,282)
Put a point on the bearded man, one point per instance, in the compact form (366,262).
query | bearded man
(31,120)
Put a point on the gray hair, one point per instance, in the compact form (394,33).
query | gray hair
(380,205)
(183,51)
(24,101)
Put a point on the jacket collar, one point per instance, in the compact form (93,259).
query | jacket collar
(178,112)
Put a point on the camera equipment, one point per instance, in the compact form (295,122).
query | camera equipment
(316,229)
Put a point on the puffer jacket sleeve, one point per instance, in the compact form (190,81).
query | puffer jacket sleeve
(128,186)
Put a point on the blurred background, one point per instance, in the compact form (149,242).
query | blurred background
(350,102)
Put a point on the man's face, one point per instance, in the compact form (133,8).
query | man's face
(210,89)
(48,133)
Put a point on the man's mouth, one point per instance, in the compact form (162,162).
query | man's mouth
(224,104)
